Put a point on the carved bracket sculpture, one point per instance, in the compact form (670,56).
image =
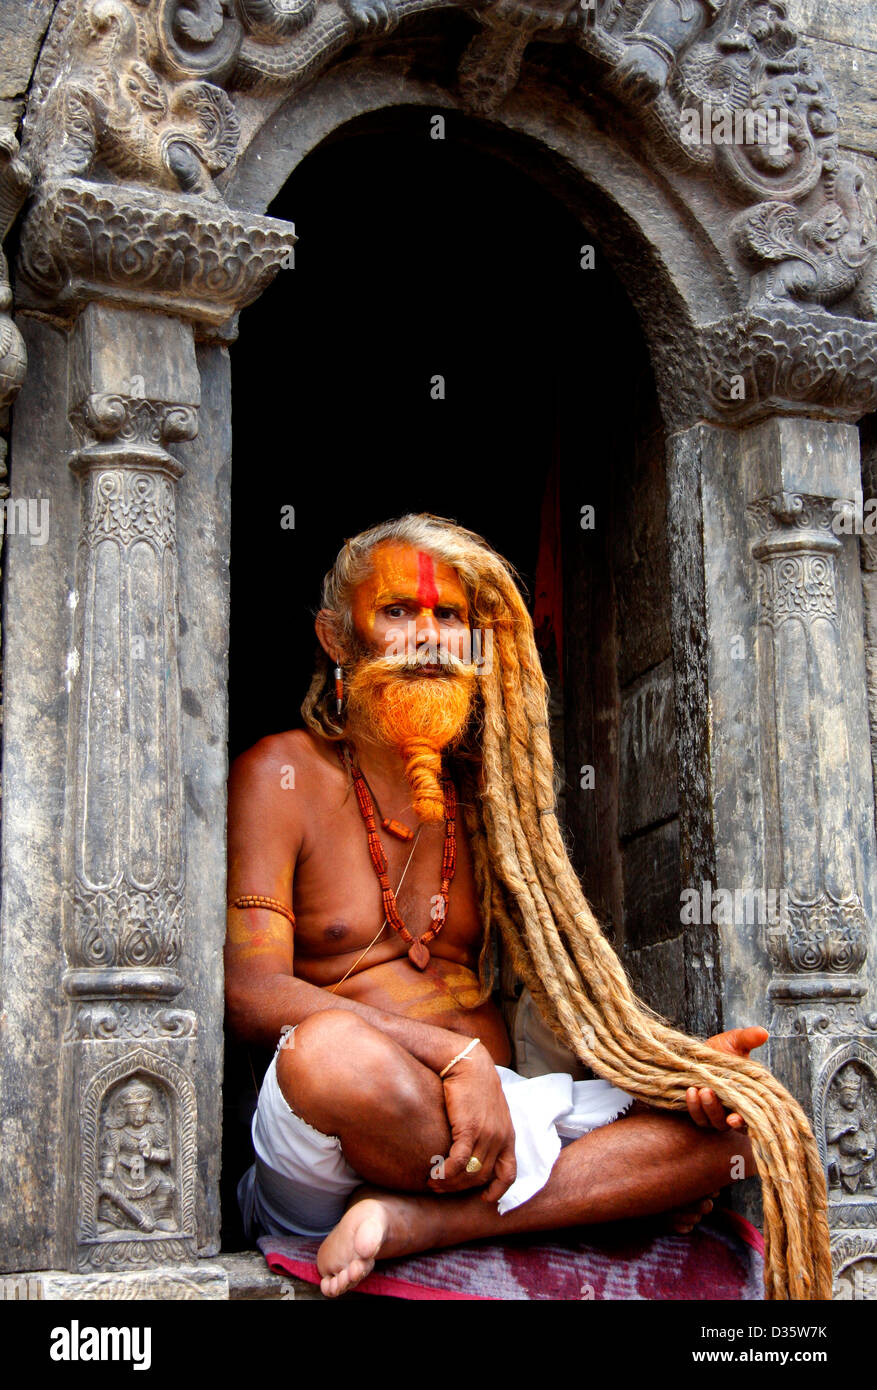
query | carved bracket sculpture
(725,88)
(114,108)
(760,363)
(85,241)
(786,362)
(128,129)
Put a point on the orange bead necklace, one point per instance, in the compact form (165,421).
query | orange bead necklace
(418,953)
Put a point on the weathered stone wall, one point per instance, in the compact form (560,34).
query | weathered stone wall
(648,824)
(620,703)
(844,38)
(23,24)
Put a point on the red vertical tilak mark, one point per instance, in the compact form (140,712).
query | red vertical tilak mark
(427,593)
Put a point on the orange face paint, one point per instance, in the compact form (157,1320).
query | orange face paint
(408,603)
(407,577)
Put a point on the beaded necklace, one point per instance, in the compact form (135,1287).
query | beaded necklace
(417,948)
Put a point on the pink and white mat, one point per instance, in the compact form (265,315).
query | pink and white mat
(721,1259)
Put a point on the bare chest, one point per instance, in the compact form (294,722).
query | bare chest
(337,895)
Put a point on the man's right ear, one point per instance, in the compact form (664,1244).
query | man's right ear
(327,635)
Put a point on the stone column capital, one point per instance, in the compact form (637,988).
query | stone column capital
(790,521)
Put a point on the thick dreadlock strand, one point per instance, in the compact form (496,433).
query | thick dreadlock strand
(794,1235)
(529,891)
(532,859)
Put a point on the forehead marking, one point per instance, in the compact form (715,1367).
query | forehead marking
(427,593)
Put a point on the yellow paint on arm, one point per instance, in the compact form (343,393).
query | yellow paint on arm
(255,933)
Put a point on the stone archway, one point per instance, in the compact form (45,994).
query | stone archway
(155,133)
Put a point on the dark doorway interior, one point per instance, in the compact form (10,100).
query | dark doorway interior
(417,258)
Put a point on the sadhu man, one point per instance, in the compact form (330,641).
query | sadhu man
(375,857)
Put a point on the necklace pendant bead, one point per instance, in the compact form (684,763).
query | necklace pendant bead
(395,827)
(418,955)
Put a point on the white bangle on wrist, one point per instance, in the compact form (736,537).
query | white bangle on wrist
(459,1057)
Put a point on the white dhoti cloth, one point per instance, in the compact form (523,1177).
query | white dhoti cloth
(300,1181)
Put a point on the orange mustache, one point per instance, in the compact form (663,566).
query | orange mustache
(419,715)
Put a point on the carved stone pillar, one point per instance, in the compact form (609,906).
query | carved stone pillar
(782,791)
(128,1053)
(821,935)
(868,556)
(13,357)
(820,943)
(116,1150)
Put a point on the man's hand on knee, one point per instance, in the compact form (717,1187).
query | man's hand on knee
(481,1130)
(704,1106)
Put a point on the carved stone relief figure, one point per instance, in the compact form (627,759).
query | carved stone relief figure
(851,1130)
(136,1183)
(821,260)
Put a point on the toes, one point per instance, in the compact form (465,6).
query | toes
(367,1240)
(348,1254)
(685,1219)
(334,1285)
(683,1226)
(358,1270)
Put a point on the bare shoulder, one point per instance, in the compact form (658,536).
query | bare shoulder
(293,760)
(272,752)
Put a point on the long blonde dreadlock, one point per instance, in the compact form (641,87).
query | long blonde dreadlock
(528,888)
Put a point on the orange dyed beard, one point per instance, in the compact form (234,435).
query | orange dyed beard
(418,715)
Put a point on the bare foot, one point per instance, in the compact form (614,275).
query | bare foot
(349,1252)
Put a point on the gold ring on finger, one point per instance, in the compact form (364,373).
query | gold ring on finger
(474,1165)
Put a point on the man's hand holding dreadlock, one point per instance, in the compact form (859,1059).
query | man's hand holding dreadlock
(704,1106)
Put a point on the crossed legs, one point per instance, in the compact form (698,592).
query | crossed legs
(347,1078)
